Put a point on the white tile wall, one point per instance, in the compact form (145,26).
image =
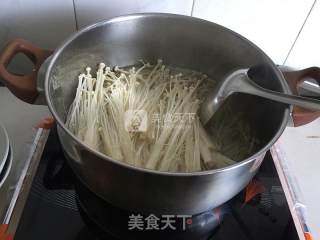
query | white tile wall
(271,24)
(95,10)
(306,51)
(44,23)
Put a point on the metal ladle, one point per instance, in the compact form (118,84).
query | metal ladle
(239,81)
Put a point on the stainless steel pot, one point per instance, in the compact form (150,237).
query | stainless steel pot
(180,41)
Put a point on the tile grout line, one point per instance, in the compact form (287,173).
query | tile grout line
(300,30)
(192,7)
(75,15)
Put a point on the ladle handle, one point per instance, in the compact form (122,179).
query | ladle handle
(304,102)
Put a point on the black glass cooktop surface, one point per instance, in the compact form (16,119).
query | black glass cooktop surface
(55,210)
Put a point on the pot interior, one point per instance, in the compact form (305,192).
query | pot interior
(181,41)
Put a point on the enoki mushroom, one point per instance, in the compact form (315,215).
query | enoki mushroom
(146,117)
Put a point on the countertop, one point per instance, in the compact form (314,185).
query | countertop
(298,151)
(18,118)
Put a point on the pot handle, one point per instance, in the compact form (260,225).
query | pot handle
(302,116)
(23,87)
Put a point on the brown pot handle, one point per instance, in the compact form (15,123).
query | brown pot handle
(23,87)
(302,116)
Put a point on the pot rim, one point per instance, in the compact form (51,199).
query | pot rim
(258,154)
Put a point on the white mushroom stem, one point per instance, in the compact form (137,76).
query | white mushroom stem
(171,140)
